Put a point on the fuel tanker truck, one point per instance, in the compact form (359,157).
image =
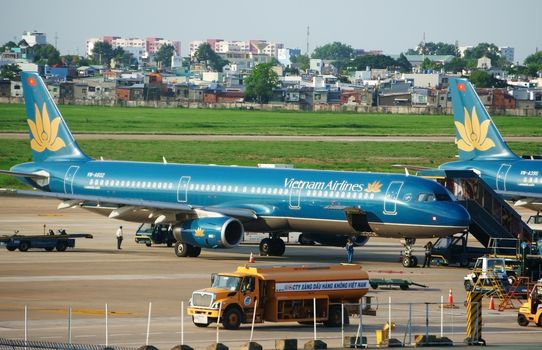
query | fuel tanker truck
(280,294)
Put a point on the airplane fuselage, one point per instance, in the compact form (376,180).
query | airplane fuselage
(512,178)
(288,199)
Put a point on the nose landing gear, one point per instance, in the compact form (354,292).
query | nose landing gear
(409,260)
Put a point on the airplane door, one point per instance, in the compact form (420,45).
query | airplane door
(501,177)
(295,200)
(68,179)
(182,189)
(390,206)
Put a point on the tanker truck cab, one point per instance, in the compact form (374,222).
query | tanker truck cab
(279,294)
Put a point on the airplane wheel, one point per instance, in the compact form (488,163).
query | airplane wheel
(181,249)
(265,247)
(24,246)
(277,247)
(413,261)
(193,251)
(406,261)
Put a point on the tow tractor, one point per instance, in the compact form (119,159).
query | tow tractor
(150,234)
(531,311)
(49,242)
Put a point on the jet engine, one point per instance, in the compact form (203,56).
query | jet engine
(210,232)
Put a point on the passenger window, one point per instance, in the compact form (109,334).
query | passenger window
(407,197)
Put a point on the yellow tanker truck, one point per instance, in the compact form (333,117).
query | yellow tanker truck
(279,294)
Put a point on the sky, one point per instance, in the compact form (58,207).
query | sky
(392,26)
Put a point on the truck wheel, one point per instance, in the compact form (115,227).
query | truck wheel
(49,249)
(24,246)
(10,248)
(464,261)
(373,285)
(169,244)
(334,319)
(403,286)
(193,251)
(231,318)
(265,247)
(61,246)
(148,244)
(181,249)
(522,320)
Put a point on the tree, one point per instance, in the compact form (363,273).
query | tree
(535,58)
(372,61)
(301,61)
(260,83)
(102,53)
(431,48)
(335,51)
(163,56)
(45,54)
(7,46)
(10,71)
(205,54)
(404,64)
(457,64)
(483,79)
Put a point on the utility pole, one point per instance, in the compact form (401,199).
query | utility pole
(308,34)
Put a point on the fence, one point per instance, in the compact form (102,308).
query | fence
(409,322)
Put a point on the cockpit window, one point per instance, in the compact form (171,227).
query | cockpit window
(430,197)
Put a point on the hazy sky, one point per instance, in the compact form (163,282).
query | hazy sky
(389,25)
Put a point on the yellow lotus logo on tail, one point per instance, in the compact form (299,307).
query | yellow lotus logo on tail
(44,132)
(373,187)
(473,134)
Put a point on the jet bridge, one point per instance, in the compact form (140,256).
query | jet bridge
(492,218)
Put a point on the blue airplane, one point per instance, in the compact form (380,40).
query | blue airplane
(211,206)
(483,150)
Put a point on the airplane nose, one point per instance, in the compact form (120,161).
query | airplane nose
(459,215)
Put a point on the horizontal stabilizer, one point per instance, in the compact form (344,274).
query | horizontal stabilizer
(23,174)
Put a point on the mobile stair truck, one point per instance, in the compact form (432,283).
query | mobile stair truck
(281,294)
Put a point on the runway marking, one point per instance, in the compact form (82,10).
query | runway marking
(58,278)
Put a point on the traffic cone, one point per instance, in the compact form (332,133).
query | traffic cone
(450,299)
(491,304)
(251,258)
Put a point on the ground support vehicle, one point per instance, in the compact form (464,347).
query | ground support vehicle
(531,311)
(150,234)
(455,250)
(280,294)
(49,242)
(488,273)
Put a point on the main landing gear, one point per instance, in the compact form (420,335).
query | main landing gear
(273,246)
(409,260)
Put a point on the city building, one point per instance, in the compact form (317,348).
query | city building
(507,53)
(222,46)
(34,38)
(139,48)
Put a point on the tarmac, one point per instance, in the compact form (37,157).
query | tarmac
(138,279)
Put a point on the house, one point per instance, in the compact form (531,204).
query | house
(395,99)
(5,88)
(54,89)
(80,91)
(16,89)
(130,93)
(426,80)
(484,63)
(86,71)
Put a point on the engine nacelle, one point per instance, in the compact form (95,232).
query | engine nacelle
(211,232)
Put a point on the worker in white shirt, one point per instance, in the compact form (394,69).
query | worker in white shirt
(119,237)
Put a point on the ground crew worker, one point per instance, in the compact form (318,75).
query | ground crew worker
(349,250)
(428,247)
(119,237)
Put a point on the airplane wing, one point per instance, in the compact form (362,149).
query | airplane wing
(120,207)
(19,173)
(521,198)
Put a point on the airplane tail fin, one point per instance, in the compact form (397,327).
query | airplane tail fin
(476,136)
(50,138)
